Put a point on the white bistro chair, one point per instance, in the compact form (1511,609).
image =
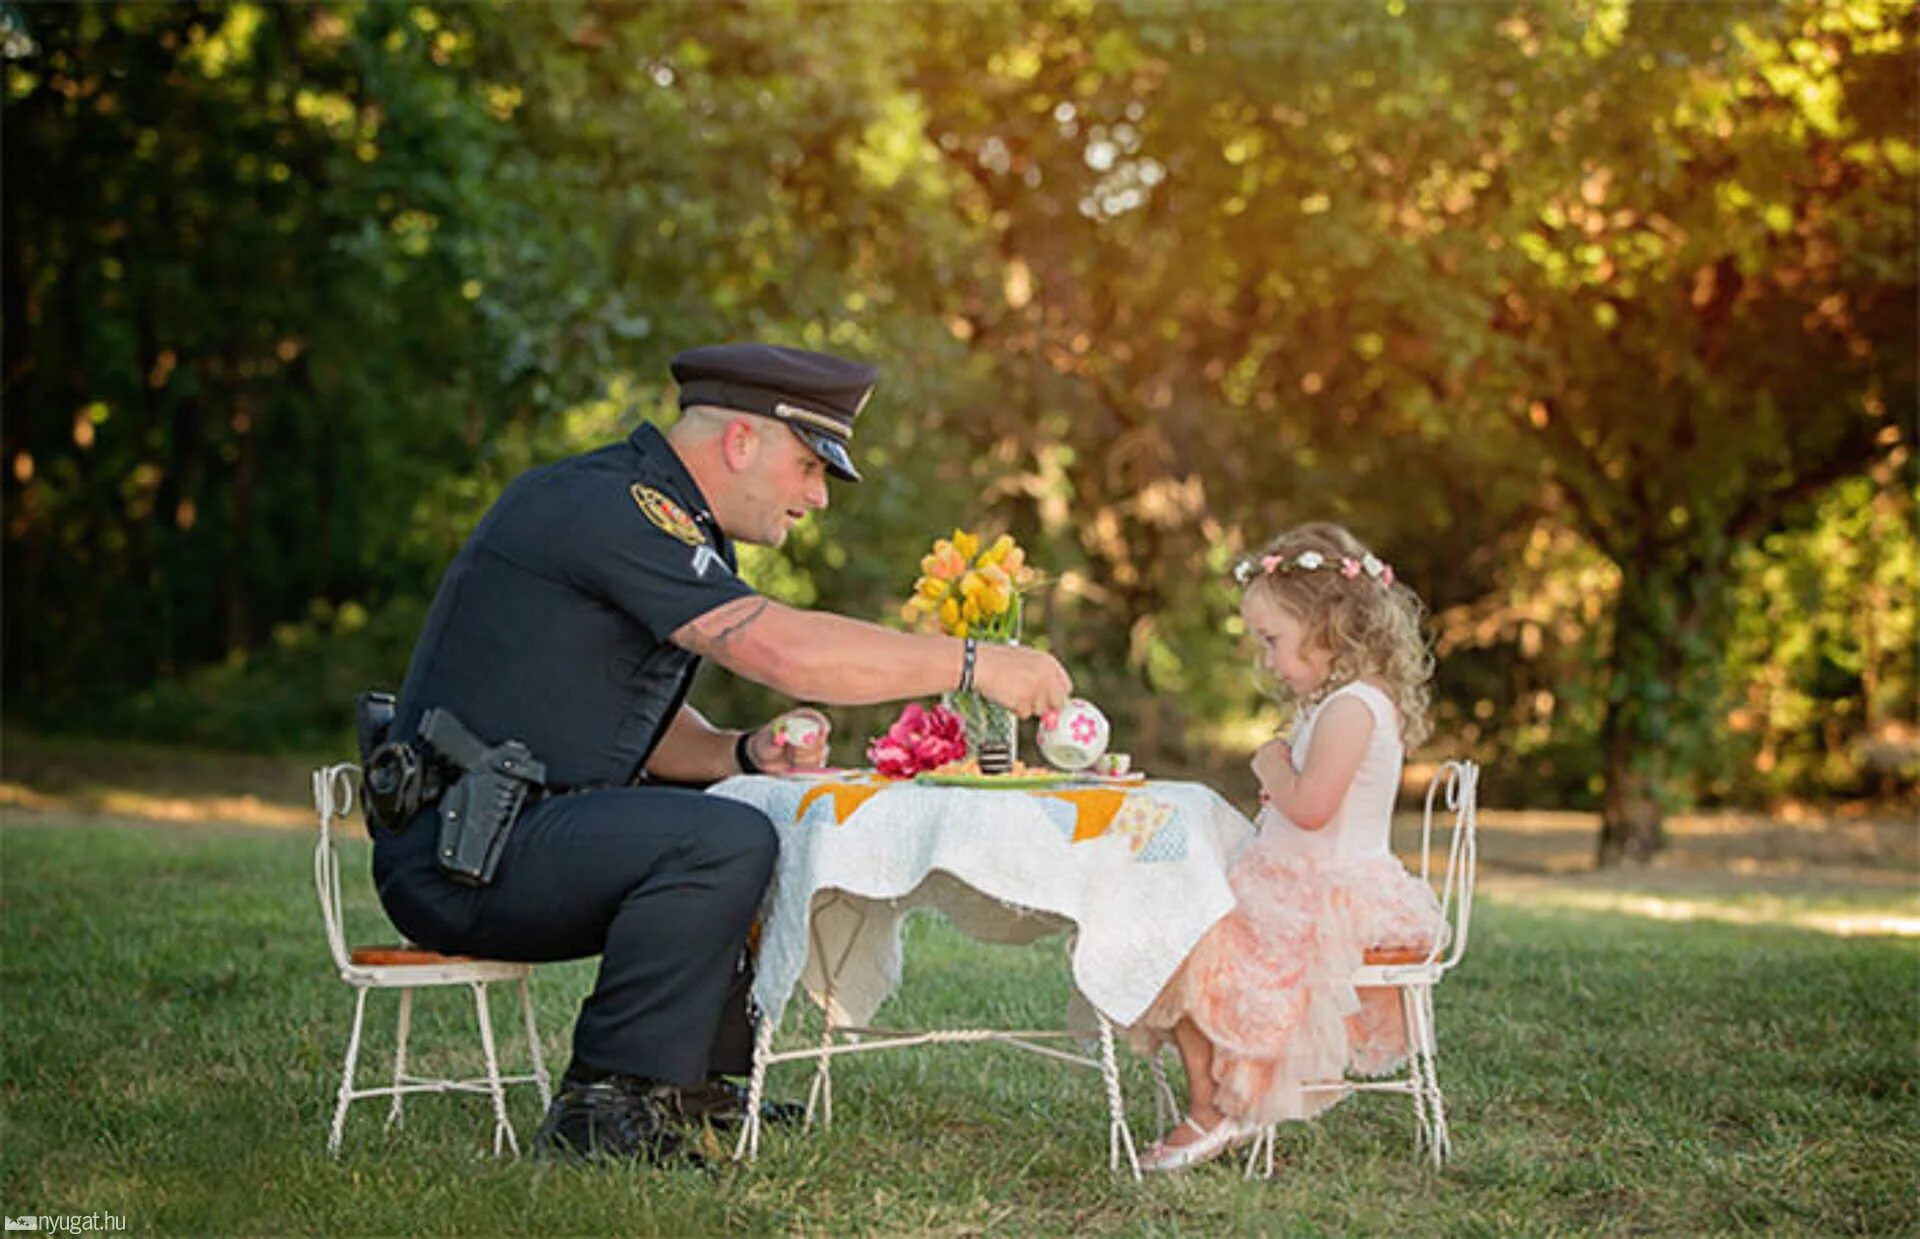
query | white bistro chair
(1414,971)
(407,968)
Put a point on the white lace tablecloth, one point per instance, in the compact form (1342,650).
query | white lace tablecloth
(1138,872)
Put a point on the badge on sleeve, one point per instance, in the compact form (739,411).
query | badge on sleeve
(667,515)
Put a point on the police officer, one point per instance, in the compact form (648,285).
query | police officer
(572,621)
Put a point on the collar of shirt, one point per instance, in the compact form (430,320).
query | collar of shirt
(659,460)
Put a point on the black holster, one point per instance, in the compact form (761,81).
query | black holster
(480,788)
(477,810)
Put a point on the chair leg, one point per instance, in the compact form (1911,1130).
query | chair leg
(540,1079)
(1262,1150)
(1416,1076)
(1166,1107)
(345,1097)
(396,1112)
(1119,1135)
(502,1129)
(1439,1146)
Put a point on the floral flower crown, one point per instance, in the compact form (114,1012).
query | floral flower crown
(1313,561)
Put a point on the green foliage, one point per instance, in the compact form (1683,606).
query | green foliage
(297,289)
(285,695)
(1829,691)
(236,323)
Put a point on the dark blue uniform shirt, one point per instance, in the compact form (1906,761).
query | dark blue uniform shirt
(552,625)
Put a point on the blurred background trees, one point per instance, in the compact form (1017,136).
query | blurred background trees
(1597,319)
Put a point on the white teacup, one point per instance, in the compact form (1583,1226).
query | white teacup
(1074,736)
(797,730)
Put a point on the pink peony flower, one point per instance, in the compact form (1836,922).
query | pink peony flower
(890,759)
(919,739)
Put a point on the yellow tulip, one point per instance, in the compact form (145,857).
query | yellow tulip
(915,608)
(946,563)
(995,592)
(986,591)
(1002,546)
(967,544)
(950,618)
(931,588)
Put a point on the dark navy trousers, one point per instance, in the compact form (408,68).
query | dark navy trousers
(661,883)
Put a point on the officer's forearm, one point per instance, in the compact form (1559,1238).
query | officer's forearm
(692,750)
(819,656)
(849,663)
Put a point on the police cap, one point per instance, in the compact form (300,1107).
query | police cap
(816,394)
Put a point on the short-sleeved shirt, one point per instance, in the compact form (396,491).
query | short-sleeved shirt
(553,624)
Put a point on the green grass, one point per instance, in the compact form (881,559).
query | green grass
(173,1030)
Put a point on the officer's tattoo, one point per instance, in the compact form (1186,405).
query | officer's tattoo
(708,635)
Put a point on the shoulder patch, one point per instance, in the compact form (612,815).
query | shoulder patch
(667,515)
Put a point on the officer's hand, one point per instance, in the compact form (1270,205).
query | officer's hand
(796,740)
(1028,682)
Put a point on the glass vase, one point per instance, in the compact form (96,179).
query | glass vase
(993,732)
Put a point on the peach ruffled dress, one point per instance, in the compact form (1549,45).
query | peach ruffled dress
(1271,983)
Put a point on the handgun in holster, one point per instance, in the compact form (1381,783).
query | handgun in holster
(479,809)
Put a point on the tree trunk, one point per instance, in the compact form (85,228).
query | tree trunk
(1631,825)
(1635,732)
(1663,688)
(237,587)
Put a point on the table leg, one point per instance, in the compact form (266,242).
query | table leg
(820,1092)
(748,1147)
(1119,1135)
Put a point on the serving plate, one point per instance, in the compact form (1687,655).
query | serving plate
(1006,782)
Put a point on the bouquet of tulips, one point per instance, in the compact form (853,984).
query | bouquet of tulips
(970,592)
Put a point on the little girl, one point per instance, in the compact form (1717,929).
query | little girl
(1265,1004)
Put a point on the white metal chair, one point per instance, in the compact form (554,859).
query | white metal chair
(407,968)
(1413,971)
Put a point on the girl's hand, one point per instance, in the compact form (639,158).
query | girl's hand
(1272,764)
(1312,797)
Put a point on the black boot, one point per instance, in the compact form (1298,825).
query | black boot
(613,1117)
(723,1103)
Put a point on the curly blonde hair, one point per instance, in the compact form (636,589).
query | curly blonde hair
(1371,624)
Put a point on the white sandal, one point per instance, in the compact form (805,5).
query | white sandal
(1211,1144)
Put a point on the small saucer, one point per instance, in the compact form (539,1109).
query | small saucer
(818,773)
(1131,778)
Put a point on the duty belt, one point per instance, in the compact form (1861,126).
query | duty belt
(480,789)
